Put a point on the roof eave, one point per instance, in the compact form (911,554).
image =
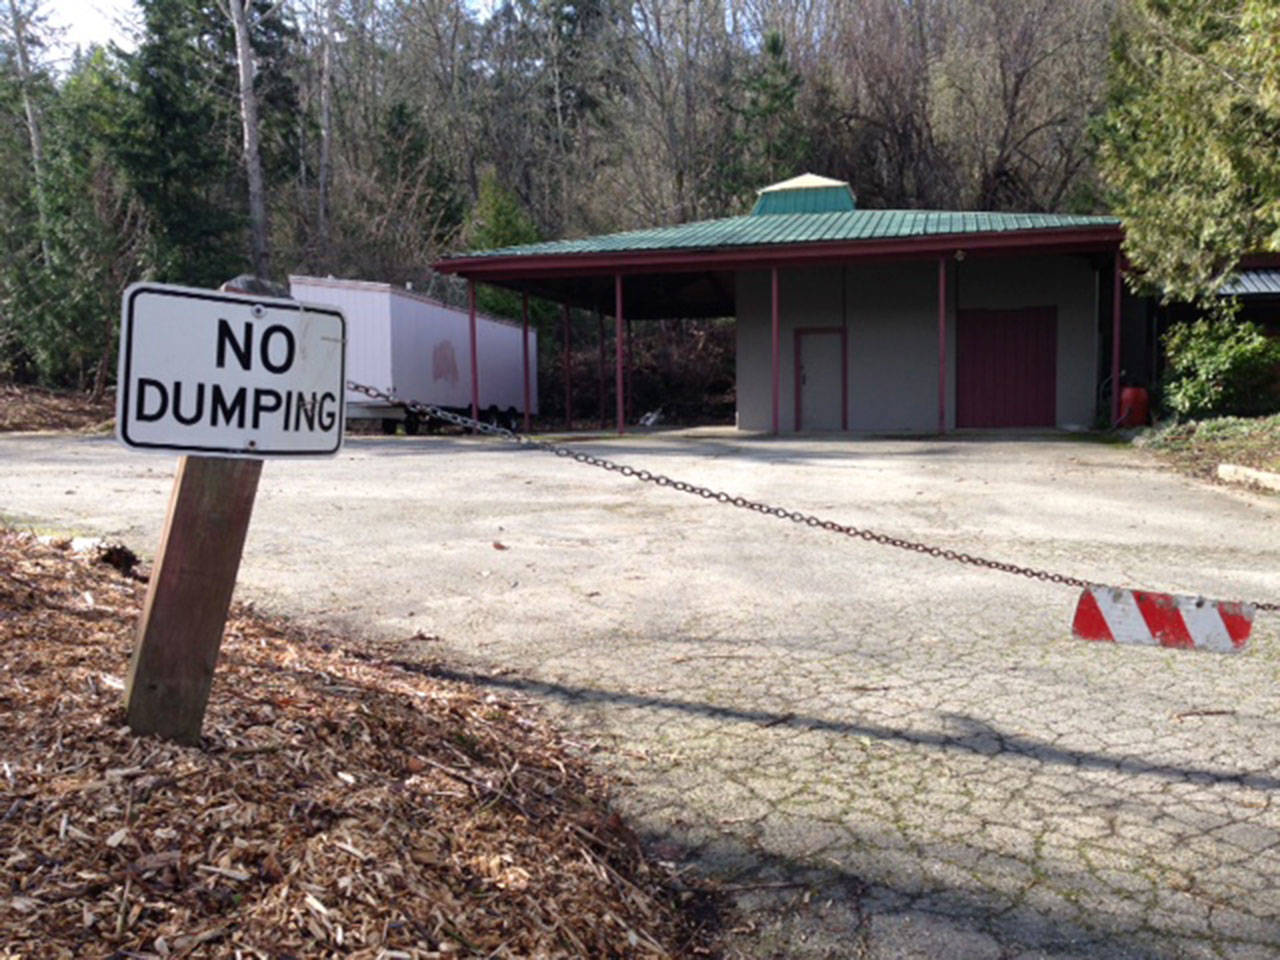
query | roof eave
(496,267)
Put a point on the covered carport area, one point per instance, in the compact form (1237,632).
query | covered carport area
(700,269)
(623,291)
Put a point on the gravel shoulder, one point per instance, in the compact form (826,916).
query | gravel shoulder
(885,755)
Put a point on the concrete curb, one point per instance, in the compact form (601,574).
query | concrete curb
(1234,473)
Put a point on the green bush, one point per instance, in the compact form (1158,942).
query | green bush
(1221,367)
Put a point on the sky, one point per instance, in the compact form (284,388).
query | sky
(85,22)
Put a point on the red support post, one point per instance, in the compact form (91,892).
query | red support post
(568,372)
(602,401)
(631,373)
(475,366)
(777,348)
(1116,295)
(844,377)
(524,343)
(942,345)
(618,347)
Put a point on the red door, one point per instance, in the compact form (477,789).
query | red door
(1006,367)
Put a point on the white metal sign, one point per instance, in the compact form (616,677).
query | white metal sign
(229,374)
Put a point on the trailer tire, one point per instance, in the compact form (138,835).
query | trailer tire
(389,425)
(412,424)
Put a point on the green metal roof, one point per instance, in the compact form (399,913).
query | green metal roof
(793,228)
(804,200)
(1253,283)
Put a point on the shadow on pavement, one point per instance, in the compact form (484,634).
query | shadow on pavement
(977,737)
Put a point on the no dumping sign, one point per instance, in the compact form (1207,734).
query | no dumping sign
(228,374)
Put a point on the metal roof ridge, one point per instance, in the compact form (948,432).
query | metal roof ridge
(1252,282)
(801,227)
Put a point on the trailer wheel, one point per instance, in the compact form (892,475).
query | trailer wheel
(389,426)
(411,424)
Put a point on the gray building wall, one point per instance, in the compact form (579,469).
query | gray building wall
(890,315)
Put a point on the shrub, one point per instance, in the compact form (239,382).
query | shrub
(1221,367)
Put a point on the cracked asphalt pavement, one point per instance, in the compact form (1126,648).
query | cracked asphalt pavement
(878,754)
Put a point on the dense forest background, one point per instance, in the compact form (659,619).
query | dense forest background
(386,133)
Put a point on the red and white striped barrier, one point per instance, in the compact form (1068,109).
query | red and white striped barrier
(1112,615)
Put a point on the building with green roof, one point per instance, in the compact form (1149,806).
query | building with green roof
(865,320)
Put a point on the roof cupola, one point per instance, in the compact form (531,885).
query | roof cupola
(807,193)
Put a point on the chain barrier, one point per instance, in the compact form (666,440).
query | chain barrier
(720,496)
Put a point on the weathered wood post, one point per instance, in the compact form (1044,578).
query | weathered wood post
(188,596)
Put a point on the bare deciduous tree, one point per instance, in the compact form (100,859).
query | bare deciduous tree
(23,15)
(325,172)
(239,13)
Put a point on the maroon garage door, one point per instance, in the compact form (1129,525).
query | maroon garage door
(1006,367)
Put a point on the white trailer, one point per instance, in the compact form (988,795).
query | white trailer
(399,340)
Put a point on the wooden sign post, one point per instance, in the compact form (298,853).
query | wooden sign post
(241,377)
(188,597)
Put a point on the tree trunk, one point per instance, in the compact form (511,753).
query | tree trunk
(33,125)
(252,157)
(326,132)
(100,374)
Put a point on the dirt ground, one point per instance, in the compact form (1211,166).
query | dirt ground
(881,754)
(35,409)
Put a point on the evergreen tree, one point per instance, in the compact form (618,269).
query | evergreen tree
(770,142)
(26,89)
(497,220)
(98,227)
(180,137)
(1189,144)
(177,142)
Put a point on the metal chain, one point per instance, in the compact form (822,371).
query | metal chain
(720,496)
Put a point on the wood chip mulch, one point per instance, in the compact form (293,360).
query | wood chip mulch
(340,806)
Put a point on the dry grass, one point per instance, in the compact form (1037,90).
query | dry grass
(341,805)
(34,408)
(1197,447)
